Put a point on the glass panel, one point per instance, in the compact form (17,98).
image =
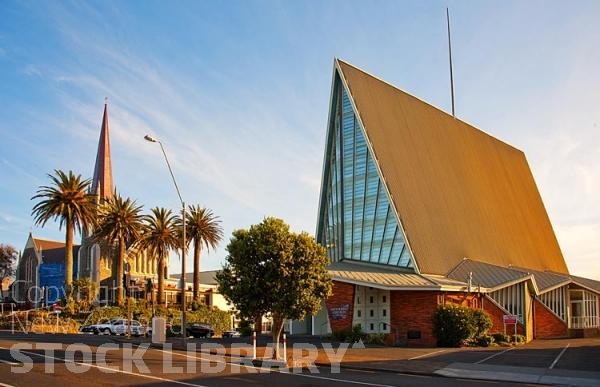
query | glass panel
(358,222)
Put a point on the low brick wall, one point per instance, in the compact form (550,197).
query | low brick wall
(546,324)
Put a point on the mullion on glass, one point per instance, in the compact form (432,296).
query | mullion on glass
(360,156)
(388,236)
(374,219)
(348,179)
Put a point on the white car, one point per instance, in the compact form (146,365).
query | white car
(120,327)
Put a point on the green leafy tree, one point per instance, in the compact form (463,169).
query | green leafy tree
(67,200)
(204,228)
(8,260)
(272,270)
(119,220)
(159,236)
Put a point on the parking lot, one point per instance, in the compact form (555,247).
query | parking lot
(567,354)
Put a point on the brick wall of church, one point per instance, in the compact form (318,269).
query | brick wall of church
(340,306)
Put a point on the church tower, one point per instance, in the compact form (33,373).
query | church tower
(95,259)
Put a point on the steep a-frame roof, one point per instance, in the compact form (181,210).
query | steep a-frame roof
(458,191)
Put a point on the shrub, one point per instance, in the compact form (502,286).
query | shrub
(518,339)
(501,337)
(453,325)
(481,321)
(350,335)
(484,341)
(376,338)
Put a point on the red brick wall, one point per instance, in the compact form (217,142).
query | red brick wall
(340,306)
(497,323)
(413,311)
(547,324)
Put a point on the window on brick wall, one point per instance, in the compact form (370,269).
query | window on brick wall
(384,312)
(384,299)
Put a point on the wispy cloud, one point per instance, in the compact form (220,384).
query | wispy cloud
(32,71)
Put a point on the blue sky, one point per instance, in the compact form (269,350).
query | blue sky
(238,93)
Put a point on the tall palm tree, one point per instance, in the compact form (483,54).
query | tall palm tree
(68,200)
(158,238)
(205,229)
(119,220)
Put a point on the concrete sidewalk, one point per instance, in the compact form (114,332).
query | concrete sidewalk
(520,374)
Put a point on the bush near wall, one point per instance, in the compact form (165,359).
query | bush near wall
(454,325)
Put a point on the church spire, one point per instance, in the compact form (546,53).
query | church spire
(102,184)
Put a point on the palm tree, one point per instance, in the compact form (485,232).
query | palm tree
(119,220)
(66,199)
(205,229)
(158,237)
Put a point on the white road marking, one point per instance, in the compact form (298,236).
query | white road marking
(494,355)
(427,354)
(6,385)
(558,357)
(109,369)
(346,381)
(9,362)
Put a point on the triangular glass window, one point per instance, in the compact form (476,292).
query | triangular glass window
(356,221)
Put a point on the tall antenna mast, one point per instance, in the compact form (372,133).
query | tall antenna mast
(450,59)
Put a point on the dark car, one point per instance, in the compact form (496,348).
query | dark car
(231,334)
(200,330)
(88,329)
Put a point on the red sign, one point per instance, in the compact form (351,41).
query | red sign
(57,307)
(510,319)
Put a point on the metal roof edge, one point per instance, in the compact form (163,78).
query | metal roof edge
(384,287)
(516,281)
(554,287)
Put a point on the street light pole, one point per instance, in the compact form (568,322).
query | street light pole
(183,242)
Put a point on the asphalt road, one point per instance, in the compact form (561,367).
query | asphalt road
(71,360)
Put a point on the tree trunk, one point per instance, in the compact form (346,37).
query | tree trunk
(69,257)
(196,269)
(120,271)
(278,322)
(258,324)
(161,282)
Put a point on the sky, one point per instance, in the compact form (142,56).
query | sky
(238,93)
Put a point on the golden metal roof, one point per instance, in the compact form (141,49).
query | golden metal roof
(458,191)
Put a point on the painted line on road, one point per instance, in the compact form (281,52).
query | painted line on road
(6,385)
(427,354)
(494,355)
(559,356)
(345,381)
(9,362)
(109,369)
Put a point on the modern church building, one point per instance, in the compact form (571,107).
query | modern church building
(418,209)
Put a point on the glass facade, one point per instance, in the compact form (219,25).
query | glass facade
(358,222)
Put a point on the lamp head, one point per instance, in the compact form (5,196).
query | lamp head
(150,138)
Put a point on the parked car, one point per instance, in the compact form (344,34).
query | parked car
(137,329)
(99,328)
(200,330)
(110,327)
(231,334)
